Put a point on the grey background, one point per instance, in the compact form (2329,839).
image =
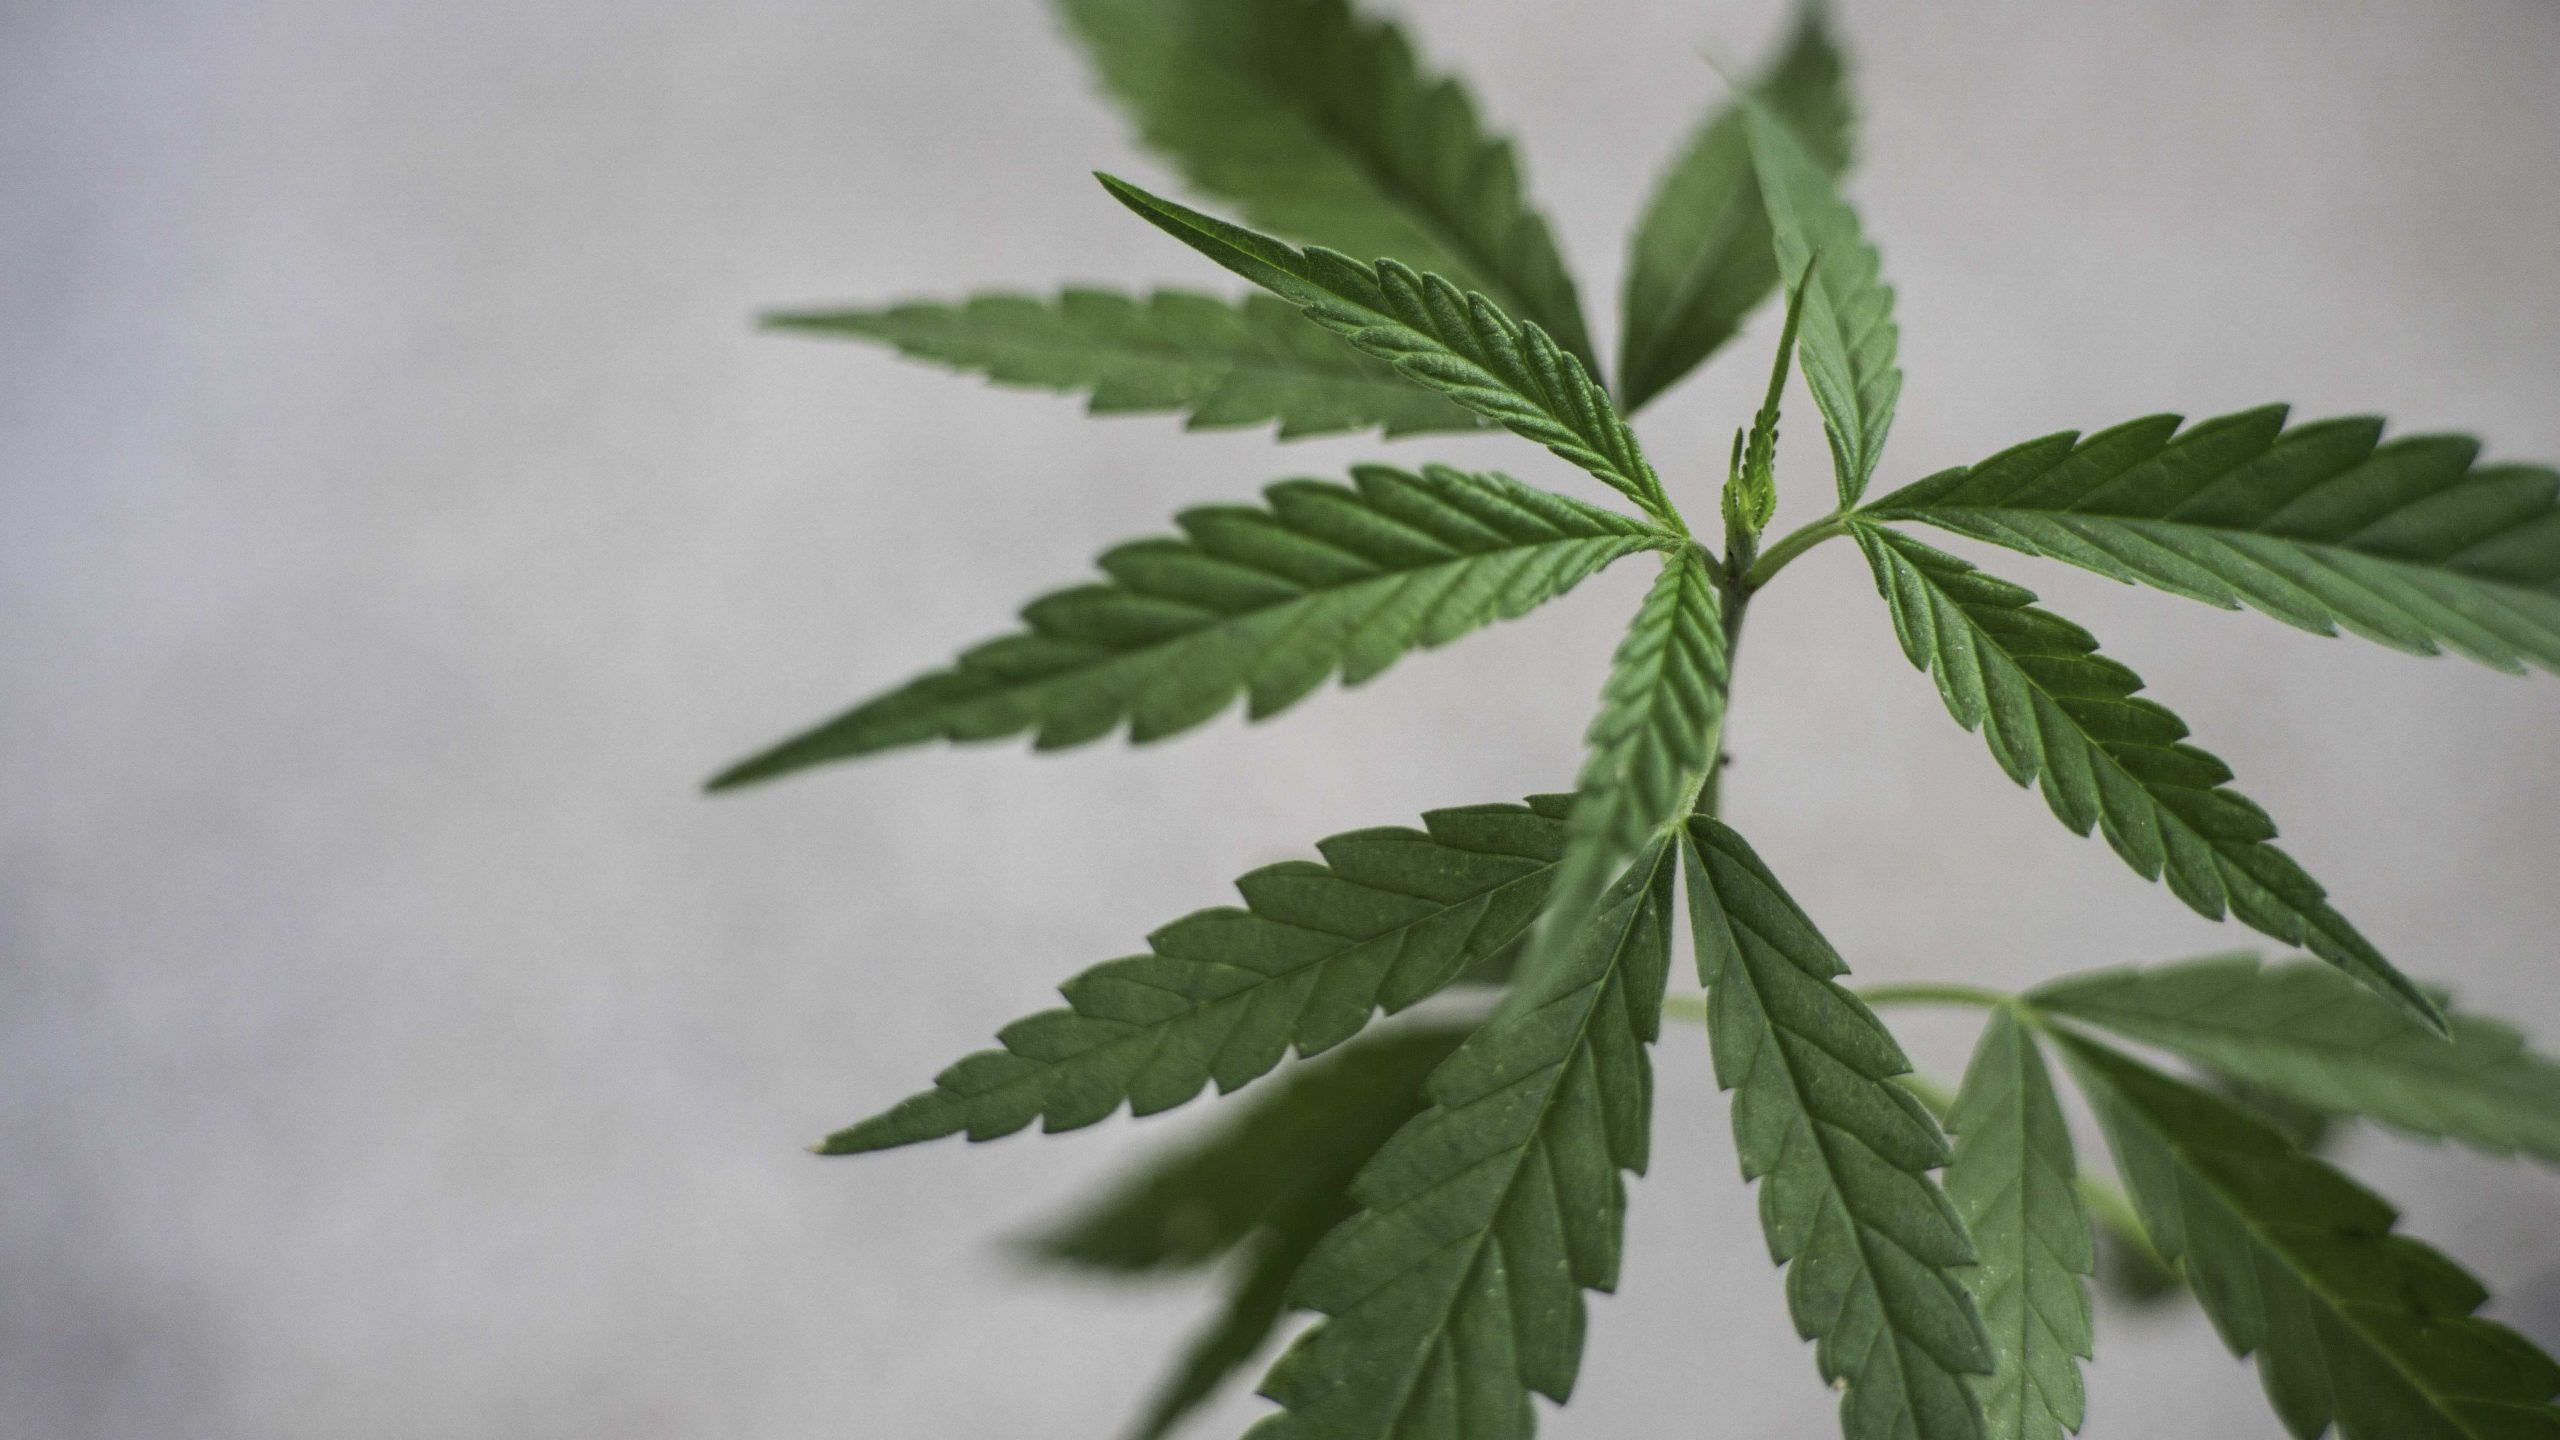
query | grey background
(397,517)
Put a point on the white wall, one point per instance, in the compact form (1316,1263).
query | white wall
(397,517)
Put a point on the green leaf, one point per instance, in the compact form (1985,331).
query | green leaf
(2017,1186)
(1651,746)
(1751,491)
(1267,601)
(2306,1033)
(2054,710)
(1459,344)
(2322,525)
(2352,1325)
(1701,259)
(1267,1186)
(1457,1288)
(1321,124)
(1300,1137)
(1849,332)
(1389,917)
(1876,1253)
(1220,363)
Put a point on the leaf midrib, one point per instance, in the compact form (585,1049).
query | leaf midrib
(1306,601)
(2233,536)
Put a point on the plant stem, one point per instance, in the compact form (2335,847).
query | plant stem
(1931,992)
(1797,541)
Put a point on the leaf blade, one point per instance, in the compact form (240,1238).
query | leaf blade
(1649,748)
(2306,1033)
(1265,602)
(1389,917)
(2325,526)
(2057,714)
(1875,1248)
(1321,123)
(2014,1181)
(1265,1187)
(2351,1324)
(1459,344)
(1457,1291)
(1221,364)
(1700,259)
(1849,334)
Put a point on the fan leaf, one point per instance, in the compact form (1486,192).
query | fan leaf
(2305,1032)
(1265,1186)
(2015,1182)
(2352,1325)
(1651,746)
(1388,918)
(1701,261)
(1876,1253)
(2057,713)
(1220,363)
(1265,601)
(2324,525)
(1849,334)
(1459,344)
(1456,1291)
(1321,124)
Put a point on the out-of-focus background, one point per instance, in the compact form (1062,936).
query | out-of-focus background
(398,517)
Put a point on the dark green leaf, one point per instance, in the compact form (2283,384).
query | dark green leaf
(2055,711)
(1267,602)
(1459,344)
(1456,1290)
(1701,258)
(2015,1182)
(1321,124)
(2352,1325)
(1875,1250)
(1267,1186)
(2322,525)
(1651,745)
(1849,332)
(1296,1141)
(2308,1034)
(1389,917)
(1220,363)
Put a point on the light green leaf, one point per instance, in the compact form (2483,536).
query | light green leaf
(2308,1034)
(2055,711)
(2016,1184)
(1266,1186)
(1701,260)
(1459,344)
(1321,124)
(1220,363)
(1269,602)
(2352,1325)
(1876,1253)
(2322,525)
(1651,746)
(1849,332)
(1389,917)
(1751,491)
(1456,1290)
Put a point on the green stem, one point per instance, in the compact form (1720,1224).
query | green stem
(1797,541)
(1931,992)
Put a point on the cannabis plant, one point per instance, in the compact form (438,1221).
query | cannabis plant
(1441,1189)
